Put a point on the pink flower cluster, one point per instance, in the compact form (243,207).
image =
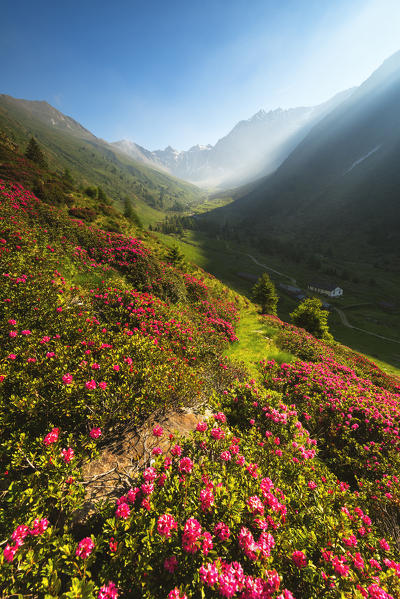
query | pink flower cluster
(165,524)
(229,579)
(52,437)
(38,528)
(85,548)
(108,591)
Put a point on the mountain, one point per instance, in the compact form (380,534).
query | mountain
(91,160)
(340,185)
(256,145)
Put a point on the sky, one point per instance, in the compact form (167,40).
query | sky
(182,73)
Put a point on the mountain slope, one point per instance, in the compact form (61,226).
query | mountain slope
(288,488)
(256,145)
(341,183)
(67,144)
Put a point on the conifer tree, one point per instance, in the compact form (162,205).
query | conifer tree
(310,316)
(34,153)
(264,293)
(175,256)
(130,213)
(67,178)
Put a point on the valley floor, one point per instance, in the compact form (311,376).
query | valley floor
(372,331)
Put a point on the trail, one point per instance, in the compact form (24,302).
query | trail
(342,315)
(282,274)
(346,323)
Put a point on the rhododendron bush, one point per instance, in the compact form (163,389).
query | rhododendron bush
(289,490)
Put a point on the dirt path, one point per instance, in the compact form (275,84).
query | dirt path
(346,323)
(282,274)
(342,315)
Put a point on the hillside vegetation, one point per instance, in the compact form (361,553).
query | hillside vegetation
(92,160)
(288,488)
(337,191)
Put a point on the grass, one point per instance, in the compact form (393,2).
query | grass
(255,342)
(93,161)
(224,259)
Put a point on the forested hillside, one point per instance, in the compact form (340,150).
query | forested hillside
(92,160)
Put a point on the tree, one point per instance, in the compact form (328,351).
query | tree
(34,153)
(130,213)
(309,315)
(102,196)
(264,293)
(175,256)
(68,179)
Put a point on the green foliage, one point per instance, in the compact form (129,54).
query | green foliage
(130,213)
(291,487)
(96,162)
(68,179)
(174,256)
(264,293)
(310,316)
(34,153)
(91,191)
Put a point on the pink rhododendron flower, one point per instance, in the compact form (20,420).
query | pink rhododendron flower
(95,433)
(201,427)
(255,505)
(165,524)
(150,474)
(207,499)
(176,450)
(191,536)
(218,433)
(158,431)
(222,531)
(226,456)
(186,465)
(51,437)
(220,416)
(376,592)
(208,574)
(207,544)
(299,559)
(85,548)
(176,594)
(67,454)
(20,533)
(39,526)
(108,591)
(384,545)
(147,488)
(131,495)
(91,384)
(123,511)
(9,552)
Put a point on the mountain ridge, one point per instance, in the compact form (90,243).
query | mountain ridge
(251,148)
(344,168)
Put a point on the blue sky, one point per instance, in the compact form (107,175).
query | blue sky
(184,72)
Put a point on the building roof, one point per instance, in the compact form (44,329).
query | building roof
(325,286)
(290,288)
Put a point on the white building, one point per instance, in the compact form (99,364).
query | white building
(326,289)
